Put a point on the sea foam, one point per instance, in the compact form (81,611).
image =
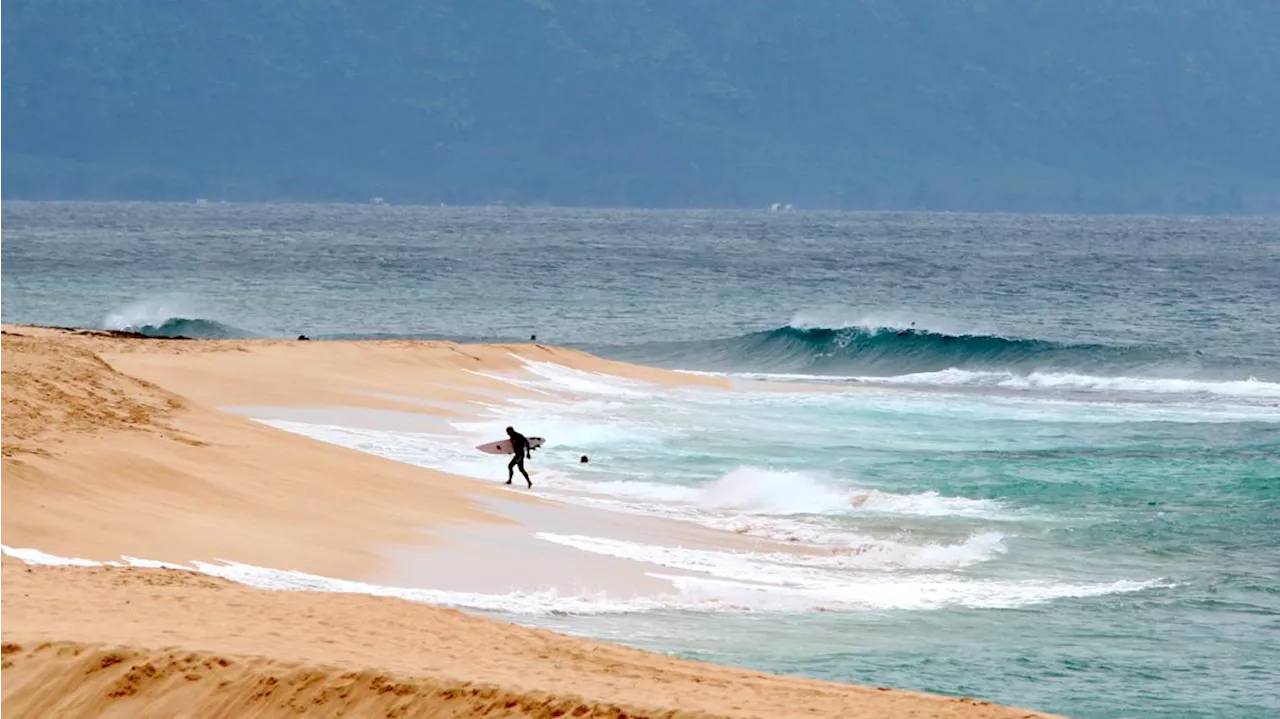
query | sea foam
(775,588)
(1246,388)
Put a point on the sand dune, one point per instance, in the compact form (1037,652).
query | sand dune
(114,446)
(99,464)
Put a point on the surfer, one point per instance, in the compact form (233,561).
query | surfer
(520,448)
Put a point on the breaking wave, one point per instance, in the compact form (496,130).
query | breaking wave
(184,327)
(929,357)
(170,316)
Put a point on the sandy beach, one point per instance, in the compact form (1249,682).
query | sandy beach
(118,447)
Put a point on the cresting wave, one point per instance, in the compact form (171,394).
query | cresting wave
(170,316)
(886,351)
(197,328)
(910,355)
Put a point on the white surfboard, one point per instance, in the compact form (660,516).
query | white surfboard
(504,446)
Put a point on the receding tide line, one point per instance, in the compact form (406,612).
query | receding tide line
(547,601)
(696,594)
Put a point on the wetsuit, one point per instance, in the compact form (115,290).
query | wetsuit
(520,448)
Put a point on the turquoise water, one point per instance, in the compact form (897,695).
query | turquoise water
(1088,556)
(1042,464)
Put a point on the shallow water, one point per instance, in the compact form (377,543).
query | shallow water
(1058,489)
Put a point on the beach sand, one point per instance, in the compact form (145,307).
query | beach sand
(116,446)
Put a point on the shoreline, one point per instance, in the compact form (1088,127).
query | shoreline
(120,446)
(122,641)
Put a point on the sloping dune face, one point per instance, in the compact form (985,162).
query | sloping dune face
(54,389)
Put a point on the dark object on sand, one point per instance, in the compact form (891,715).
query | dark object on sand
(303,338)
(584,459)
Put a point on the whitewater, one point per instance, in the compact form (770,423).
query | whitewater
(1028,458)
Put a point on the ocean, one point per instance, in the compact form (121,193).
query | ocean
(1037,457)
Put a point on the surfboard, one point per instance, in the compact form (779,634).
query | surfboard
(504,446)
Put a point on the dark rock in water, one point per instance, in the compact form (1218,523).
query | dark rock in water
(124,334)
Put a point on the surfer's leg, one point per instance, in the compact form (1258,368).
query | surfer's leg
(511,468)
(520,464)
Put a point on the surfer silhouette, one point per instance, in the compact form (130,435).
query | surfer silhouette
(520,448)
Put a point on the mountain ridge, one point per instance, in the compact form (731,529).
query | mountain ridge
(1093,106)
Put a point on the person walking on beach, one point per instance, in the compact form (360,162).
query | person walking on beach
(520,448)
